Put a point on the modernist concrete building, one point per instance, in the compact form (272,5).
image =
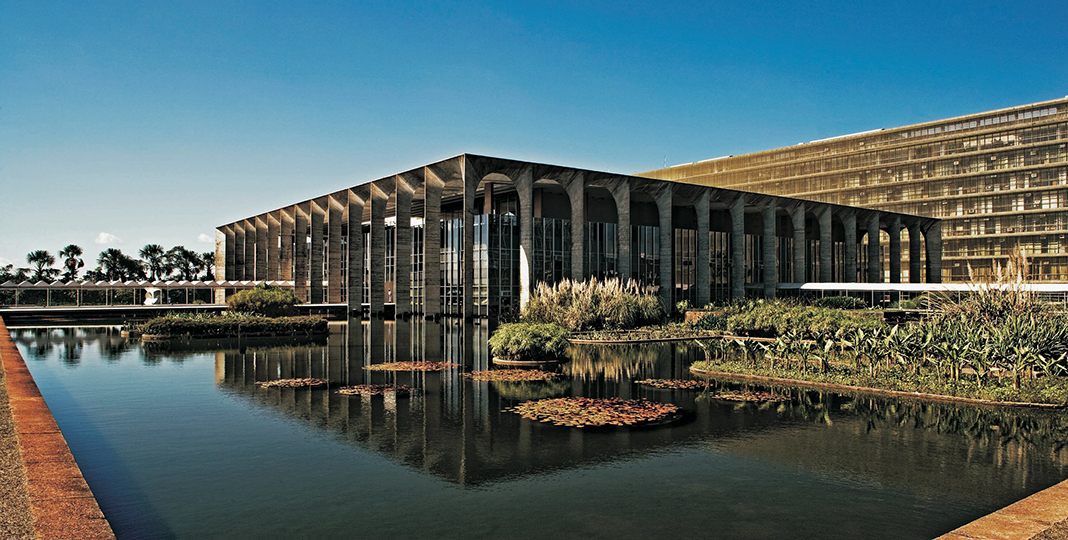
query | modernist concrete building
(472,235)
(999,179)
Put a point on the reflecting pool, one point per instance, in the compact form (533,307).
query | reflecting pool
(176,440)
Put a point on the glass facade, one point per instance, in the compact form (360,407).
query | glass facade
(998,180)
(551,261)
(601,255)
(645,255)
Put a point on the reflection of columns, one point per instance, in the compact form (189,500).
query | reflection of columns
(333,251)
(915,254)
(621,194)
(315,274)
(231,244)
(849,223)
(667,274)
(524,187)
(378,251)
(576,193)
(738,247)
(432,186)
(261,248)
(402,281)
(402,341)
(875,262)
(771,270)
(355,254)
(895,249)
(273,232)
(800,249)
(934,252)
(703,262)
(300,251)
(826,245)
(285,252)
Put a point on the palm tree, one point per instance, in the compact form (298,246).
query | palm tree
(152,254)
(112,263)
(207,260)
(42,262)
(185,262)
(72,261)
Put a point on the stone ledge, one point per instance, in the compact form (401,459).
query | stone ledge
(63,505)
(1022,520)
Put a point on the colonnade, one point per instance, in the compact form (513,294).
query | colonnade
(283,244)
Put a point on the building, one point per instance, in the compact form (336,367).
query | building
(998,179)
(472,235)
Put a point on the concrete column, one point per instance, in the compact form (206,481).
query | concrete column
(524,186)
(667,274)
(355,254)
(849,224)
(333,250)
(432,186)
(875,262)
(273,232)
(231,251)
(220,263)
(704,260)
(621,194)
(915,254)
(895,249)
(300,250)
(576,193)
(471,178)
(800,253)
(933,235)
(771,267)
(378,251)
(402,284)
(737,211)
(315,272)
(826,246)
(249,264)
(285,252)
(261,248)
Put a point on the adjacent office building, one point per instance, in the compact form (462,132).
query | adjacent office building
(473,235)
(997,179)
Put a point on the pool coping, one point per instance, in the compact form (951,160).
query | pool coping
(63,506)
(1024,519)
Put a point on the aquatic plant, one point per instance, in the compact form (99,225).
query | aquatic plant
(594,412)
(511,375)
(375,390)
(529,341)
(674,384)
(306,382)
(411,366)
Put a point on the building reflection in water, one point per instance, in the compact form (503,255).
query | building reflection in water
(457,429)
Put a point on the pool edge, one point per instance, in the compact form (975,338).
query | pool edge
(62,503)
(1023,519)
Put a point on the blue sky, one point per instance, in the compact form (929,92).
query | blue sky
(140,122)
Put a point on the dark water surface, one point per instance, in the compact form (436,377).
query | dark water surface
(177,441)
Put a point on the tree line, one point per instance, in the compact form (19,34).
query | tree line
(153,263)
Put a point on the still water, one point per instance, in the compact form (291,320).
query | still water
(177,441)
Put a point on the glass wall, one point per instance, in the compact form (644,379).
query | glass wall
(551,261)
(601,255)
(645,255)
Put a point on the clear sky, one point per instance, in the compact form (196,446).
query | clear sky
(123,124)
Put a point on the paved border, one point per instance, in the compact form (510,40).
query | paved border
(1028,518)
(62,503)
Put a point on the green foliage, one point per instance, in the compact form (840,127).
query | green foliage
(529,341)
(840,302)
(264,300)
(594,305)
(712,321)
(232,325)
(770,319)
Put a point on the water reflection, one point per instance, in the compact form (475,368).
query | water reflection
(455,429)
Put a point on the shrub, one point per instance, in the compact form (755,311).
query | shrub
(529,341)
(840,302)
(712,321)
(777,318)
(594,305)
(264,300)
(232,325)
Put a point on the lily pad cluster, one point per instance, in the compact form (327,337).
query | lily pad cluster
(751,397)
(593,412)
(511,375)
(306,382)
(375,390)
(674,384)
(412,366)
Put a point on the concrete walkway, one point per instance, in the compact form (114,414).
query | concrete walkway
(50,498)
(16,518)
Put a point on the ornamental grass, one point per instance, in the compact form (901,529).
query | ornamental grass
(583,412)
